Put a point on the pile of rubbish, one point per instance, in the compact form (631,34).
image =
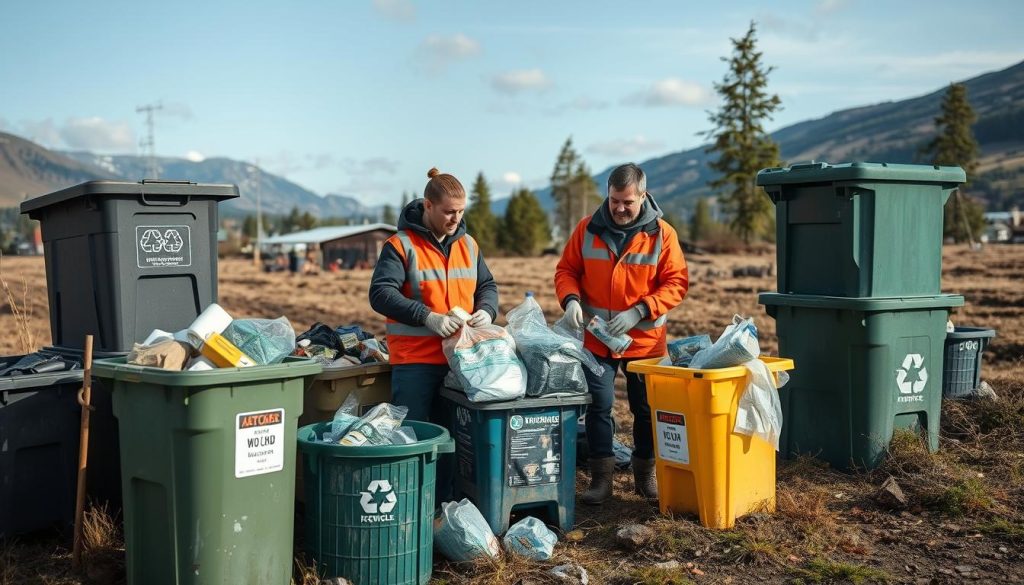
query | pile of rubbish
(381,425)
(341,347)
(461,534)
(216,340)
(759,412)
(527,358)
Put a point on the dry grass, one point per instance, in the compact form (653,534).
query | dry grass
(305,572)
(22,312)
(828,571)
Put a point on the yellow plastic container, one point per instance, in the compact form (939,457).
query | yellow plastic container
(704,467)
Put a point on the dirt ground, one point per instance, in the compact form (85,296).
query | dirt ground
(964,515)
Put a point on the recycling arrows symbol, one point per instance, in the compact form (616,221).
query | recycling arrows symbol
(369,497)
(912,376)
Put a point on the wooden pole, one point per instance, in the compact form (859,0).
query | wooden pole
(85,399)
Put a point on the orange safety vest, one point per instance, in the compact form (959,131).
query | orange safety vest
(651,270)
(441,283)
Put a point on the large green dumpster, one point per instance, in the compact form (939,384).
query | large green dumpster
(867,366)
(207,466)
(370,509)
(859,229)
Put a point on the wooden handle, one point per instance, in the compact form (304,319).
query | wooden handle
(85,399)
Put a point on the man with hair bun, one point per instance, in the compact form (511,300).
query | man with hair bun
(424,271)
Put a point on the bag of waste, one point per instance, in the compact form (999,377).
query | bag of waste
(554,356)
(321,334)
(617,343)
(485,362)
(681,351)
(404,436)
(376,426)
(759,412)
(530,538)
(167,355)
(462,534)
(343,419)
(736,346)
(266,341)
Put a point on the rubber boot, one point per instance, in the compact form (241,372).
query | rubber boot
(644,481)
(600,490)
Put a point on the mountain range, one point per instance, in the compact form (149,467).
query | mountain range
(887,132)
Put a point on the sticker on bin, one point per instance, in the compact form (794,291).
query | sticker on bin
(672,443)
(534,449)
(911,378)
(259,442)
(163,246)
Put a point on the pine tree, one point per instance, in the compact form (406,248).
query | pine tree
(387,215)
(480,221)
(307,221)
(561,189)
(585,196)
(405,201)
(290,222)
(700,223)
(740,140)
(526,230)
(955,145)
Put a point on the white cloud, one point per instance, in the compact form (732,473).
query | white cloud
(42,132)
(512,178)
(626,147)
(512,82)
(829,7)
(438,52)
(96,134)
(670,92)
(320,161)
(580,104)
(195,156)
(377,165)
(397,10)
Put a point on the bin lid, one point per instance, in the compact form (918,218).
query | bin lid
(219,192)
(866,304)
(33,382)
(118,369)
(970,333)
(461,399)
(822,172)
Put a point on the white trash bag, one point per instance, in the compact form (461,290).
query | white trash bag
(736,346)
(531,538)
(485,363)
(759,412)
(462,534)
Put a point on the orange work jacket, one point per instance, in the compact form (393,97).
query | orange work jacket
(651,270)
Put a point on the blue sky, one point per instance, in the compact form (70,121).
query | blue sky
(362,98)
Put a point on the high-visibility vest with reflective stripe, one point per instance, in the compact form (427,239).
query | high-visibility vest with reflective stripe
(441,283)
(651,270)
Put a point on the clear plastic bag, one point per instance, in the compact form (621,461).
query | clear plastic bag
(759,412)
(266,341)
(485,363)
(376,426)
(462,534)
(736,346)
(343,420)
(554,356)
(531,538)
(681,351)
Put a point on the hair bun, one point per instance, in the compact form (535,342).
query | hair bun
(433,172)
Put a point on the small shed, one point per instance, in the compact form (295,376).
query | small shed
(352,246)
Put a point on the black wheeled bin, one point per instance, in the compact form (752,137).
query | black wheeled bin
(125,258)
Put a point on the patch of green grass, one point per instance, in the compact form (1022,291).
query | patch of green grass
(1004,530)
(656,576)
(964,497)
(826,571)
(750,547)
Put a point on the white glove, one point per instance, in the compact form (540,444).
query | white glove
(442,325)
(574,312)
(479,319)
(624,321)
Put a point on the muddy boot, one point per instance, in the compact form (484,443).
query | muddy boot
(601,471)
(644,481)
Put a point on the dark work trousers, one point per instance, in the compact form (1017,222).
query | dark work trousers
(418,388)
(599,413)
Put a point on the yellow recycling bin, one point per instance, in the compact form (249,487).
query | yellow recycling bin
(704,467)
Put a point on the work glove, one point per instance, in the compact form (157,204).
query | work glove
(574,312)
(479,319)
(624,321)
(442,325)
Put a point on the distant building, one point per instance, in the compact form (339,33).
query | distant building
(352,246)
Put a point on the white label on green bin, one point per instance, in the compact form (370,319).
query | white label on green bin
(259,442)
(672,444)
(911,378)
(162,246)
(378,500)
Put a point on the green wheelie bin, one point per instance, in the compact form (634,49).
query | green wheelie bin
(867,367)
(208,470)
(859,229)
